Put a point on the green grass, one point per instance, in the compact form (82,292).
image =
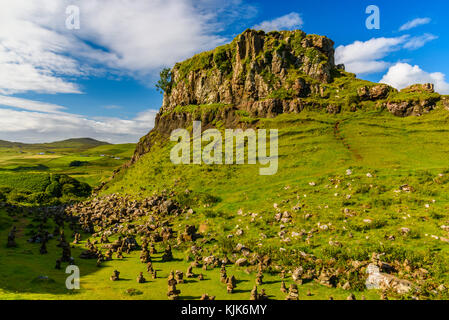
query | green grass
(20,282)
(394,151)
(34,183)
(313,147)
(70,144)
(99,161)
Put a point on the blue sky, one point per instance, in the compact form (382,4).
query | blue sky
(98,80)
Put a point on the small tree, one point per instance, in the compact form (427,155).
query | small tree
(164,83)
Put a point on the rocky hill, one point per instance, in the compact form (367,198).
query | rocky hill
(260,75)
(358,208)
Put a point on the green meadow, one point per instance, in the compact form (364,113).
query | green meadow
(365,176)
(95,163)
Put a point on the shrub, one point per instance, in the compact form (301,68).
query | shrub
(84,190)
(77,163)
(18,196)
(54,189)
(39,198)
(67,180)
(69,189)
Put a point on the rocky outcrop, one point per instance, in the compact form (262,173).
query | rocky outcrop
(427,87)
(262,75)
(165,123)
(251,68)
(411,107)
(375,92)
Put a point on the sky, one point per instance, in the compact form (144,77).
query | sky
(88,68)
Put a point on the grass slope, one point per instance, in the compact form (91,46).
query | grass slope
(362,211)
(71,144)
(98,161)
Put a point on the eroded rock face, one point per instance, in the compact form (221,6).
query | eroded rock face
(265,75)
(427,87)
(376,92)
(250,68)
(411,107)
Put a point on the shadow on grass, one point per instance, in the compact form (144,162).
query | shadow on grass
(39,167)
(181,297)
(241,291)
(24,270)
(271,282)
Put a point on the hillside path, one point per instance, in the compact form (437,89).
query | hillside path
(339,137)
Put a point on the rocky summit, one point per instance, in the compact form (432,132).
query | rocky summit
(262,75)
(357,208)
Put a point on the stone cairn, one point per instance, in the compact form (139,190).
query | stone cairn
(223,275)
(254,295)
(115,276)
(179,276)
(173,293)
(140,278)
(150,268)
(207,297)
(259,278)
(168,255)
(77,238)
(189,273)
(231,283)
(292,292)
(283,287)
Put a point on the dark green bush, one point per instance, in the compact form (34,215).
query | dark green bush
(54,189)
(40,198)
(18,196)
(77,163)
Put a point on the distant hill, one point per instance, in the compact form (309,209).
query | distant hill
(77,143)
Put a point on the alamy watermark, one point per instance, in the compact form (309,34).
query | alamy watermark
(72,282)
(72,21)
(373,20)
(236,142)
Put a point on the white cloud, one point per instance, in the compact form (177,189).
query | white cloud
(42,122)
(136,37)
(30,104)
(121,37)
(402,75)
(420,41)
(365,57)
(288,22)
(414,23)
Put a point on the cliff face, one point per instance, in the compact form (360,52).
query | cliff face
(262,74)
(253,67)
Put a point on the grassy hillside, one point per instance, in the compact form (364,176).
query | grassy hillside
(91,165)
(355,185)
(68,145)
(363,212)
(398,180)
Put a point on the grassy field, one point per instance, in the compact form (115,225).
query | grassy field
(398,178)
(21,282)
(97,162)
(364,211)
